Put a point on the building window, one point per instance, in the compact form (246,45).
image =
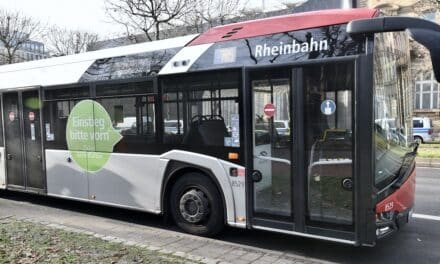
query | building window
(202,110)
(426,92)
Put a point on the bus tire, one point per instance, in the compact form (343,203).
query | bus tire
(196,205)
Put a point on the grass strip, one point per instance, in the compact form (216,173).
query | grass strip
(25,242)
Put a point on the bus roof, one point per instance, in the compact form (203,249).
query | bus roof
(279,24)
(68,69)
(71,69)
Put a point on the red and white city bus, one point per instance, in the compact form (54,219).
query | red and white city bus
(298,124)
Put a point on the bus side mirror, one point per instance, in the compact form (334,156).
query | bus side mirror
(431,40)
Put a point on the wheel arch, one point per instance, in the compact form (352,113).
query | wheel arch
(176,169)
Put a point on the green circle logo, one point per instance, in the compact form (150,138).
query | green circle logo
(90,135)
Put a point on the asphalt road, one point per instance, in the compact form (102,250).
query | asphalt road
(418,242)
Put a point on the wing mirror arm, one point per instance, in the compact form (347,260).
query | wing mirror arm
(423,31)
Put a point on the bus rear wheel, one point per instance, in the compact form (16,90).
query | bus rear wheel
(196,205)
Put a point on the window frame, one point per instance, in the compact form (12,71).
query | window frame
(92,96)
(434,91)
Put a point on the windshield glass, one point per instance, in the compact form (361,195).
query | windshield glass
(392,107)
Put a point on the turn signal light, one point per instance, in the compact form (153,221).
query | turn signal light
(233,156)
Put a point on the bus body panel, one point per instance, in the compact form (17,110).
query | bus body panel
(135,181)
(64,177)
(128,180)
(2,168)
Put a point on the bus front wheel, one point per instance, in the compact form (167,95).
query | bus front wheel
(196,205)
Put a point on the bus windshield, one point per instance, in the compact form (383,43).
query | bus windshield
(392,106)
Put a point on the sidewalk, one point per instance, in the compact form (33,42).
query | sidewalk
(204,250)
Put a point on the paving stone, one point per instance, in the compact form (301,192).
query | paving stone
(251,256)
(238,252)
(283,261)
(239,261)
(207,253)
(269,258)
(259,261)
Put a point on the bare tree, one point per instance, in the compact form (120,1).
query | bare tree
(65,42)
(209,13)
(147,16)
(16,30)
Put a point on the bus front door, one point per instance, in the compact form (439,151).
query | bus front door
(302,162)
(24,158)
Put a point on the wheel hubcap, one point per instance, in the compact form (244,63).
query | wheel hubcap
(194,206)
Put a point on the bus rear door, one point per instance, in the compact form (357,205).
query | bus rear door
(24,158)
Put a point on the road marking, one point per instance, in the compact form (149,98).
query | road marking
(428,217)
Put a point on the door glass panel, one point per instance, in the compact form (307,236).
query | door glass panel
(32,140)
(328,134)
(272,146)
(13,140)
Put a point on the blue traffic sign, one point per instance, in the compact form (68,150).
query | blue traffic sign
(328,107)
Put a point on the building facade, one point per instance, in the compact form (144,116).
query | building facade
(426,89)
(31,50)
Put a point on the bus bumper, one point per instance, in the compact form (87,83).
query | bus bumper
(394,211)
(388,223)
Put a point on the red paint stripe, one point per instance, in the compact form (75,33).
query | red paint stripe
(402,199)
(279,24)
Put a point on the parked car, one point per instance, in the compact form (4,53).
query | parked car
(423,130)
(172,127)
(282,127)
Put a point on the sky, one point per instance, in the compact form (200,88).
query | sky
(88,15)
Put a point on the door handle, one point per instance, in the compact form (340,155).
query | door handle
(9,156)
(39,158)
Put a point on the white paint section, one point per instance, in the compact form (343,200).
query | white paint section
(184,59)
(64,178)
(238,185)
(45,76)
(68,69)
(427,217)
(128,180)
(2,168)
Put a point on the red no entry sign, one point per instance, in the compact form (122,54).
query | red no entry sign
(269,110)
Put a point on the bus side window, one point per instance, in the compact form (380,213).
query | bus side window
(202,110)
(58,103)
(131,107)
(56,114)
